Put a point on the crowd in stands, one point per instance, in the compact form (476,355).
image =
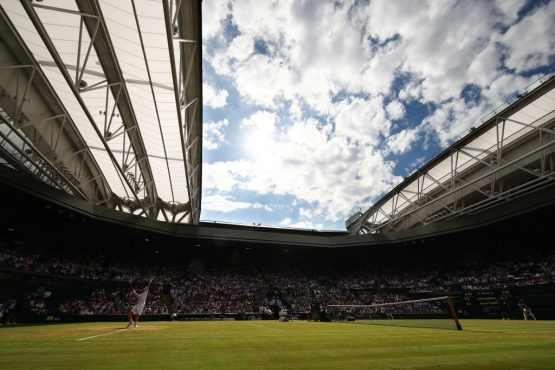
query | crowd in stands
(233,290)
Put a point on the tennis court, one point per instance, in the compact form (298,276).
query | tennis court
(256,344)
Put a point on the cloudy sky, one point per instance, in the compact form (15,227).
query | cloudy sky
(314,109)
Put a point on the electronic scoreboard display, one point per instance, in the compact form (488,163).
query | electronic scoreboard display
(485,302)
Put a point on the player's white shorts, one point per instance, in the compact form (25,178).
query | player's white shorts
(138,309)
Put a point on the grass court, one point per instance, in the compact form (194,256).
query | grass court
(483,344)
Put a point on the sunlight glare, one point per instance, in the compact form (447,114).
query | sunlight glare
(259,143)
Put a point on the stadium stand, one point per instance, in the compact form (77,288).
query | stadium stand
(60,281)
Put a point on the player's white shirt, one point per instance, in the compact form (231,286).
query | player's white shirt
(142,297)
(139,307)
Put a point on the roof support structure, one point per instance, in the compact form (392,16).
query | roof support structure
(187,96)
(510,155)
(138,24)
(30,160)
(117,87)
(496,193)
(148,201)
(91,123)
(32,154)
(31,110)
(191,93)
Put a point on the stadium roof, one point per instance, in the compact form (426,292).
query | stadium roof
(510,174)
(103,99)
(509,155)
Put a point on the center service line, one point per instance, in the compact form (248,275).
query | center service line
(100,335)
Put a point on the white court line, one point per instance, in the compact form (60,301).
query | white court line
(266,327)
(100,335)
(288,334)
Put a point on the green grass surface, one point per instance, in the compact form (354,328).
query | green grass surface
(484,344)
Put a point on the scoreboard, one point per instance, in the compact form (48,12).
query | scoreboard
(485,302)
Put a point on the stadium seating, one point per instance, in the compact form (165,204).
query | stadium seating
(96,284)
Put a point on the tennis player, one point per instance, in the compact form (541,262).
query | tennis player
(137,310)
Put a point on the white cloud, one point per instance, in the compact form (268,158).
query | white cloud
(485,67)
(362,120)
(265,207)
(302,224)
(285,222)
(257,132)
(445,45)
(305,213)
(402,141)
(213,97)
(213,133)
(261,80)
(331,66)
(221,203)
(261,121)
(452,120)
(213,15)
(310,164)
(224,175)
(313,52)
(455,118)
(526,50)
(241,47)
(505,86)
(395,110)
(306,224)
(411,91)
(509,9)
(316,50)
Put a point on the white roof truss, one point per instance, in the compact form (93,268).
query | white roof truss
(128,75)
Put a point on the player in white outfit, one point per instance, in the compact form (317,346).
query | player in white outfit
(137,310)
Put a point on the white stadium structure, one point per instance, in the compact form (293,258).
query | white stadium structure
(101,100)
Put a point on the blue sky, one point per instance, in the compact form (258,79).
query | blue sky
(314,109)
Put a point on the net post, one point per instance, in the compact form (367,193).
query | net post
(453,312)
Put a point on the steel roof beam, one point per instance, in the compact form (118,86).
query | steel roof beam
(189,38)
(153,97)
(492,171)
(28,151)
(515,107)
(176,88)
(45,124)
(65,73)
(116,83)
